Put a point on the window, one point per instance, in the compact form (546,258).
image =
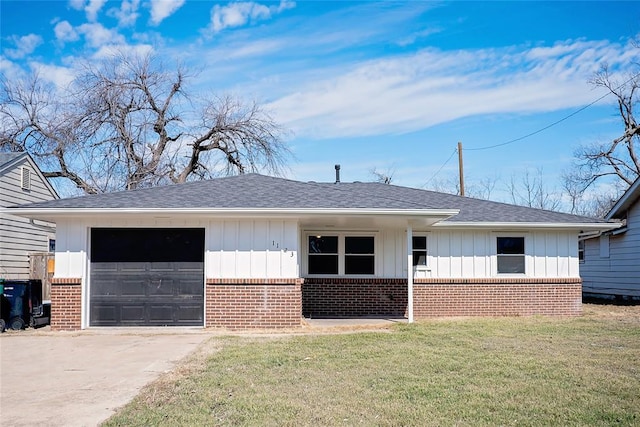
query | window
(510,255)
(323,254)
(341,255)
(359,255)
(52,245)
(419,251)
(581,251)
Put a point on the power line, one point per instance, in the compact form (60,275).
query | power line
(554,123)
(535,132)
(441,167)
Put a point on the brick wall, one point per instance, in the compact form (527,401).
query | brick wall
(497,297)
(253,303)
(341,297)
(66,304)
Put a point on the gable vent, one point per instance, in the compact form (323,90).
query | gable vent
(25,181)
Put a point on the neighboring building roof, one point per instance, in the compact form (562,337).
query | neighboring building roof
(254,192)
(7,159)
(10,159)
(629,197)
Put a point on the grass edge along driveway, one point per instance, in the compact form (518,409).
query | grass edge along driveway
(464,372)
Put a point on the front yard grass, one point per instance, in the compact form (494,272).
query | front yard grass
(457,372)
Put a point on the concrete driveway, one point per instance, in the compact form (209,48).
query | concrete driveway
(80,379)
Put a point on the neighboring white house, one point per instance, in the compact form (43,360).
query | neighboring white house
(22,182)
(253,251)
(610,267)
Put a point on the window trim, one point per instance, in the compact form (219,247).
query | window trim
(427,266)
(342,251)
(495,254)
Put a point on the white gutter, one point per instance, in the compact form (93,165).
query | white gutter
(529,225)
(54,212)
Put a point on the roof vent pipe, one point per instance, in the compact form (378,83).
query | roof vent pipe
(337,174)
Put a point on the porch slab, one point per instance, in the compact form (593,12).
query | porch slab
(352,322)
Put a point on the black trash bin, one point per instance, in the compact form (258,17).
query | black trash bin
(22,305)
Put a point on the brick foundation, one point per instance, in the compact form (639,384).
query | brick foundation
(497,297)
(354,297)
(253,303)
(66,304)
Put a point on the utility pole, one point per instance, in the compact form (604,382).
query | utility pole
(461,169)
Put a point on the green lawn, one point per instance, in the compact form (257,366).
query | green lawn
(462,372)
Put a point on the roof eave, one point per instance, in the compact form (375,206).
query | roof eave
(603,226)
(56,213)
(624,202)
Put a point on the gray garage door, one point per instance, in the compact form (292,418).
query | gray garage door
(147,277)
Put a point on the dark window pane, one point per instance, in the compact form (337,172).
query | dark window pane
(359,245)
(419,242)
(511,264)
(323,264)
(323,244)
(511,245)
(419,258)
(359,264)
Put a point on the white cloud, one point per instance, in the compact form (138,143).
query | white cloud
(64,32)
(9,69)
(90,7)
(413,92)
(25,45)
(77,4)
(96,35)
(161,9)
(60,76)
(240,13)
(109,51)
(127,14)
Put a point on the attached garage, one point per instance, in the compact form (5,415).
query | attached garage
(146,277)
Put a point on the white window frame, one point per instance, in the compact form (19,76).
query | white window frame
(341,252)
(426,250)
(496,255)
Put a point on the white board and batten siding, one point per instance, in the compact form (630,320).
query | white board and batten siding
(234,249)
(21,183)
(275,248)
(470,253)
(612,262)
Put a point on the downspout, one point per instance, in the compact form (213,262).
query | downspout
(589,235)
(410,274)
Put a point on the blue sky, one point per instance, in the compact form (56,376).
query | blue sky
(386,85)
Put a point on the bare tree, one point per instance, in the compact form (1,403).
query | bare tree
(530,191)
(385,177)
(591,203)
(617,158)
(129,122)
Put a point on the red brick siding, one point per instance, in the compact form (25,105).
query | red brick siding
(253,304)
(339,297)
(497,297)
(354,297)
(66,304)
